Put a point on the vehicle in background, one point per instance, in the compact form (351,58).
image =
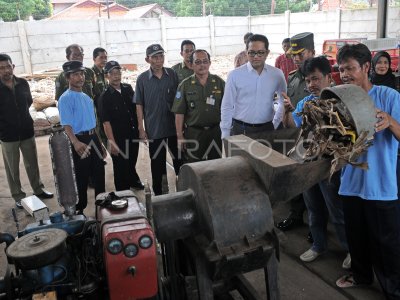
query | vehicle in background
(390,45)
(331,47)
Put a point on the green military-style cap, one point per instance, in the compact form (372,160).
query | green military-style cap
(300,42)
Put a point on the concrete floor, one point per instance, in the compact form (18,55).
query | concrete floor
(298,280)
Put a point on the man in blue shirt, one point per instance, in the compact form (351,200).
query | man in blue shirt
(317,72)
(79,121)
(370,203)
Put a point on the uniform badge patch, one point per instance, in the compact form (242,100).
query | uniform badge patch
(178,95)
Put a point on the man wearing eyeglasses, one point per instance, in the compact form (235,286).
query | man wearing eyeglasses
(155,92)
(75,52)
(247,105)
(184,69)
(301,48)
(197,108)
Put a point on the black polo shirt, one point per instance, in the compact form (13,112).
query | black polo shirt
(118,109)
(15,121)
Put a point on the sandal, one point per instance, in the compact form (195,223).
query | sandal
(346,281)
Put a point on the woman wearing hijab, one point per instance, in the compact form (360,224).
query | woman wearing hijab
(381,73)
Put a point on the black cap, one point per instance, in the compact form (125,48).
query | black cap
(112,64)
(72,66)
(301,41)
(154,49)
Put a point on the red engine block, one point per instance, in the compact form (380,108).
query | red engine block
(129,251)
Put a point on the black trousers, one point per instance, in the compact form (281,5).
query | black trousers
(158,157)
(373,235)
(124,165)
(91,165)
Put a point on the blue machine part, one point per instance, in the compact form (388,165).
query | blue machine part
(48,274)
(72,225)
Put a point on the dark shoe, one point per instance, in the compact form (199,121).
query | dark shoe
(310,238)
(289,223)
(138,185)
(45,195)
(18,204)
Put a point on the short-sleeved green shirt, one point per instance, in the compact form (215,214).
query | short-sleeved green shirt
(62,83)
(182,71)
(296,88)
(100,84)
(200,105)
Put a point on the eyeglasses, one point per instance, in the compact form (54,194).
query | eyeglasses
(258,53)
(188,50)
(201,62)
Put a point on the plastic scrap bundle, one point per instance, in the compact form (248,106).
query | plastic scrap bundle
(327,131)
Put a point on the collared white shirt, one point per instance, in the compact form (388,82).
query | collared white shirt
(249,97)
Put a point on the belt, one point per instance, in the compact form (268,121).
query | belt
(250,125)
(89,132)
(204,127)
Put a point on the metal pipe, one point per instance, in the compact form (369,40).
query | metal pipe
(381,20)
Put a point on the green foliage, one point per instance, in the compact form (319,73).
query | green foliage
(43,9)
(12,10)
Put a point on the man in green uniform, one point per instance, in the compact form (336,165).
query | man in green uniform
(184,69)
(197,108)
(99,60)
(301,48)
(75,52)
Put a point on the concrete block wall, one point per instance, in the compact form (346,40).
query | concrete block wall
(126,40)
(40,45)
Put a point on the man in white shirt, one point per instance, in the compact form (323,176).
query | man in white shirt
(248,102)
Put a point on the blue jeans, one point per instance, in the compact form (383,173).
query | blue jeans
(322,201)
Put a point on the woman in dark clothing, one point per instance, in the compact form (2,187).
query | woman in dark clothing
(381,73)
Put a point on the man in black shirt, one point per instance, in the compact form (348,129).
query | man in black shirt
(16,132)
(118,116)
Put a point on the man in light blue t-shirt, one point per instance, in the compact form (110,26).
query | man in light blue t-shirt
(370,203)
(79,121)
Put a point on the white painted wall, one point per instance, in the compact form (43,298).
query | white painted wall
(40,45)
